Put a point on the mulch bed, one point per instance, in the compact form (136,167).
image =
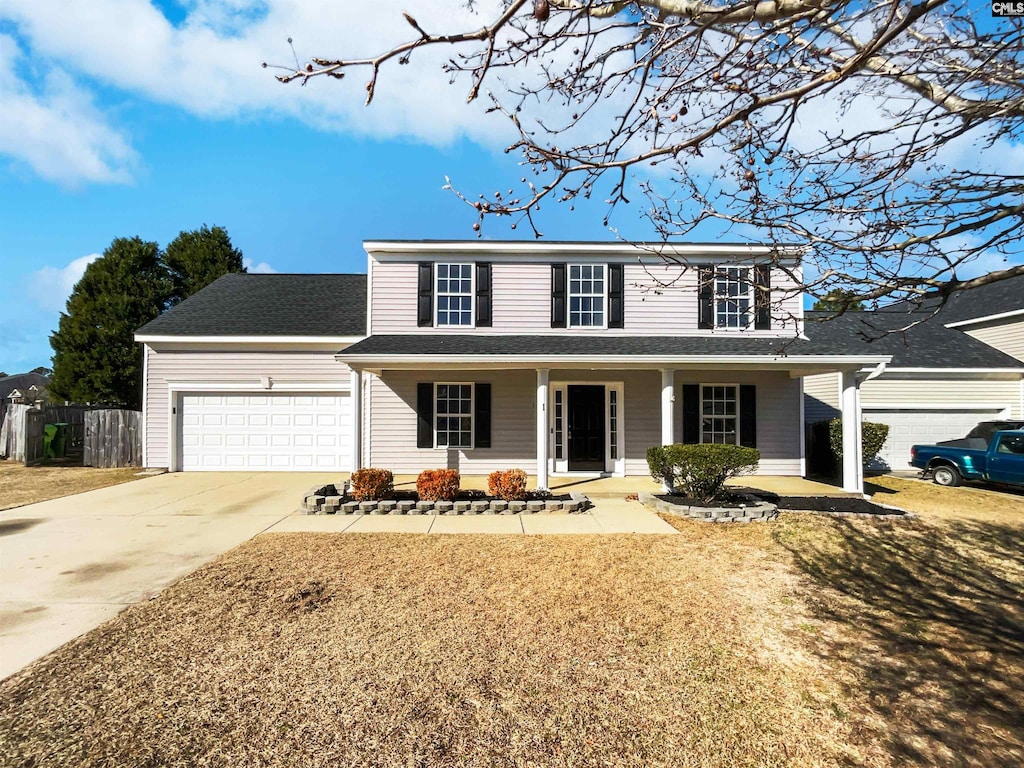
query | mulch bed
(841,505)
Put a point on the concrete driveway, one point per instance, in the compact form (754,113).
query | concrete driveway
(67,565)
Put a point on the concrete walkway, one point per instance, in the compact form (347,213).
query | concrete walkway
(611,515)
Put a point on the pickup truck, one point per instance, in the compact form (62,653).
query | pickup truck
(1002,461)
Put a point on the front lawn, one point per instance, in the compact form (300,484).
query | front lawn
(20,485)
(810,641)
(975,502)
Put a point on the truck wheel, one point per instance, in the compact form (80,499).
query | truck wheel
(947,476)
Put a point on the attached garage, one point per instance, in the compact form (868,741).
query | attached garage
(914,426)
(263,431)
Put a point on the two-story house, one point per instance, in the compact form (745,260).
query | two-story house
(558,358)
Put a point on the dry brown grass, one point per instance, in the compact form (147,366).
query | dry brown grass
(20,485)
(441,651)
(936,502)
(810,641)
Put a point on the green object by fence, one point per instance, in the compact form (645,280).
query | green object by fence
(49,433)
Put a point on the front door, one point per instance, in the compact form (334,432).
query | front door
(586,428)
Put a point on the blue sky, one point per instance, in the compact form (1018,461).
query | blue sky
(129,117)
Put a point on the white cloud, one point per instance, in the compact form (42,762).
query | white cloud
(54,127)
(258,268)
(50,287)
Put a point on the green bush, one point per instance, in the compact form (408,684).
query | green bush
(873,437)
(700,471)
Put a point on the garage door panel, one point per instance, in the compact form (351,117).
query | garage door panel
(908,427)
(281,432)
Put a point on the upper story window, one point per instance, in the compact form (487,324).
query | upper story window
(454,291)
(586,295)
(734,298)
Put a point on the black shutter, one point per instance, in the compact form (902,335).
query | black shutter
(425,303)
(558,295)
(762,298)
(483,295)
(705,297)
(482,416)
(616,318)
(691,413)
(748,415)
(425,415)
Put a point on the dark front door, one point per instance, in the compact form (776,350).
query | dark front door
(586,428)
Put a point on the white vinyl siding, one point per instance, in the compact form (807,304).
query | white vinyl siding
(1000,395)
(213,366)
(1006,336)
(513,407)
(659,300)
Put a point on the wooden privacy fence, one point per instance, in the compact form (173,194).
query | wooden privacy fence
(113,438)
(12,432)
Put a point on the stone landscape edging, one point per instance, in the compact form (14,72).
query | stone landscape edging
(326,500)
(758,511)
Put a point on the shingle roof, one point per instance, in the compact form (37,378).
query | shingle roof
(580,345)
(21,381)
(985,300)
(927,344)
(269,305)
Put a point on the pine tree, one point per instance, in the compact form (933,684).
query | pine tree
(196,258)
(95,355)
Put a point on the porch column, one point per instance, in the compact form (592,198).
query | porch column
(853,469)
(356,393)
(542,428)
(668,406)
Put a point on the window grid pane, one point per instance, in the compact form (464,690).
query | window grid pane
(453,421)
(454,294)
(586,295)
(718,409)
(733,301)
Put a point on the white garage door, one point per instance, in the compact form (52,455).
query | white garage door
(267,432)
(921,427)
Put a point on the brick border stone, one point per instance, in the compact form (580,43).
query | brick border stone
(334,500)
(756,511)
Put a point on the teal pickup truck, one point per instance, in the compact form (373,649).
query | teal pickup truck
(1002,461)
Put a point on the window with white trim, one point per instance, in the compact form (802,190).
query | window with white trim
(719,414)
(734,298)
(453,415)
(587,286)
(454,292)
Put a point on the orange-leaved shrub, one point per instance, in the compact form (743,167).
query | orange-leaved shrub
(507,484)
(438,484)
(372,484)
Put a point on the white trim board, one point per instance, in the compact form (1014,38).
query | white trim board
(658,251)
(935,407)
(986,318)
(162,339)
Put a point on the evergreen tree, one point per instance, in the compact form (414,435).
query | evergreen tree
(839,300)
(196,258)
(95,355)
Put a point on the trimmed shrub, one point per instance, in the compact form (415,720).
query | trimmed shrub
(700,471)
(438,484)
(507,484)
(372,484)
(873,437)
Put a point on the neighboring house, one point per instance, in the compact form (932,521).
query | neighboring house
(958,363)
(24,388)
(558,358)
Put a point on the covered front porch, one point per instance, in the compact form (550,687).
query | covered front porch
(580,421)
